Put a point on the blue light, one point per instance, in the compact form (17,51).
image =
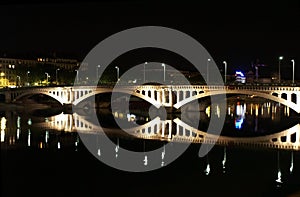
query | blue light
(238,123)
(239,73)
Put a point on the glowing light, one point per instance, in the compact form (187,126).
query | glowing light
(18,122)
(207,170)
(224,159)
(116,114)
(239,110)
(3,123)
(2,135)
(292,163)
(121,115)
(218,111)
(163,153)
(29,121)
(256,110)
(239,73)
(18,133)
(131,117)
(278,180)
(28,140)
(207,111)
(238,123)
(47,136)
(58,145)
(145,160)
(41,145)
(99,152)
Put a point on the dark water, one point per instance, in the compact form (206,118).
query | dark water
(38,161)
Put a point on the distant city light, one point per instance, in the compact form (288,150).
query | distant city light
(239,73)
(238,123)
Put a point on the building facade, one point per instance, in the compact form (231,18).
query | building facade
(13,72)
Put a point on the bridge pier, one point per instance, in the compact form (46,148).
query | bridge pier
(8,98)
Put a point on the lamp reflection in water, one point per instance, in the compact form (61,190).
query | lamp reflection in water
(278,180)
(163,156)
(98,144)
(18,127)
(117,148)
(207,169)
(3,127)
(28,140)
(292,162)
(145,156)
(240,112)
(224,160)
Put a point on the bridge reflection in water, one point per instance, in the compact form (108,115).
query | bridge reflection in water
(175,130)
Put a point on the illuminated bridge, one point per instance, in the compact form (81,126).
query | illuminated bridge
(160,95)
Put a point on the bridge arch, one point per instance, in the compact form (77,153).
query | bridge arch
(285,102)
(133,92)
(48,93)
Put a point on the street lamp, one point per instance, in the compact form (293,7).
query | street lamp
(47,78)
(207,69)
(293,61)
(163,65)
(225,75)
(279,75)
(77,76)
(145,72)
(97,76)
(28,77)
(118,70)
(56,75)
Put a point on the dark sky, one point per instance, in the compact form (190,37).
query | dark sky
(238,32)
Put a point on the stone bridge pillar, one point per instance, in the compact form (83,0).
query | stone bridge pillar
(289,96)
(298,98)
(8,97)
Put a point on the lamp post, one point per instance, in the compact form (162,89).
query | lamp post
(47,75)
(97,76)
(279,74)
(207,69)
(77,76)
(118,70)
(145,71)
(225,75)
(28,77)
(163,65)
(293,61)
(56,76)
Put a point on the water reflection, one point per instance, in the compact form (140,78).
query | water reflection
(243,120)
(3,127)
(240,115)
(224,160)
(23,131)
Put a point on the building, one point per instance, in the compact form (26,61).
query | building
(14,72)
(8,77)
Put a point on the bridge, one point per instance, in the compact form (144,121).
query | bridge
(176,131)
(160,95)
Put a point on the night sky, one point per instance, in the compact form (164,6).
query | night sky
(238,32)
